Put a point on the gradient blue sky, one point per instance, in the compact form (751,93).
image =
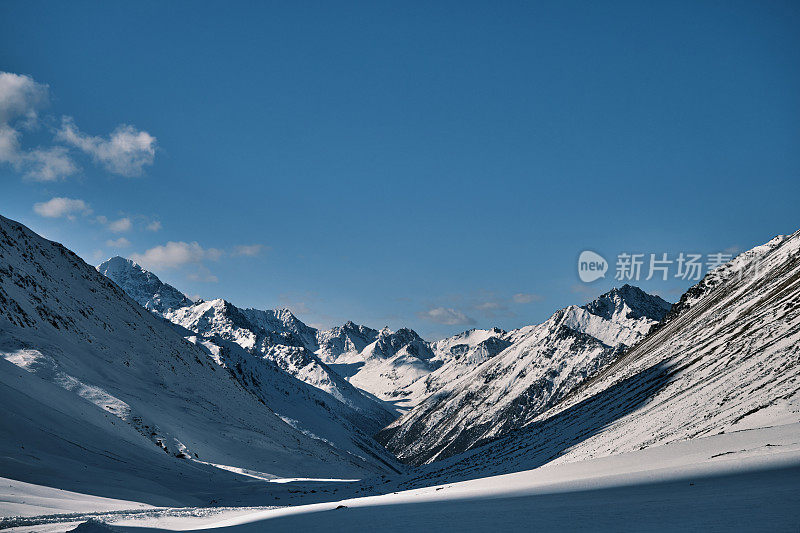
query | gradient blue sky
(396,158)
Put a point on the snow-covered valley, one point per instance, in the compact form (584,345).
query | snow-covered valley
(126,402)
(745,480)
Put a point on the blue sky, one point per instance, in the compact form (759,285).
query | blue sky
(437,166)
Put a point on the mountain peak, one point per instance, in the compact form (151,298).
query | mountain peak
(628,301)
(142,285)
(119,263)
(390,343)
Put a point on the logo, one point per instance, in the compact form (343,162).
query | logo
(591,266)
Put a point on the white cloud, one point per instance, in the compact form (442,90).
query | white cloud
(154,226)
(47,164)
(20,99)
(120,226)
(445,315)
(213,254)
(526,297)
(493,306)
(247,250)
(9,144)
(122,242)
(175,254)
(62,207)
(125,152)
(39,164)
(20,96)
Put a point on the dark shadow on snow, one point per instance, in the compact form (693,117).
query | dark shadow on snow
(543,441)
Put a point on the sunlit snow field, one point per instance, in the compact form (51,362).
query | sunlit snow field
(743,480)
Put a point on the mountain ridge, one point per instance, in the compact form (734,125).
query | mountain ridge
(538,366)
(69,328)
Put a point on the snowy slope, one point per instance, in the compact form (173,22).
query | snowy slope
(747,481)
(102,385)
(458,355)
(283,320)
(392,361)
(272,338)
(539,366)
(727,359)
(460,345)
(380,363)
(284,348)
(347,339)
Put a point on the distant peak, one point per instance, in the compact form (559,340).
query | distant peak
(142,285)
(630,300)
(284,312)
(118,262)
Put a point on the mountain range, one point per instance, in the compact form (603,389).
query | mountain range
(116,384)
(113,381)
(725,359)
(538,366)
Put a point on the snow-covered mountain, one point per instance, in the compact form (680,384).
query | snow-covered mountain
(726,359)
(538,366)
(403,369)
(458,355)
(380,362)
(346,339)
(143,286)
(283,320)
(94,384)
(339,361)
(389,365)
(101,397)
(275,336)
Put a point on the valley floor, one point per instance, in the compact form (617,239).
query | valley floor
(747,480)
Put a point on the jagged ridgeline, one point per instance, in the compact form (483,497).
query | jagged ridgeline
(99,374)
(96,386)
(535,368)
(725,359)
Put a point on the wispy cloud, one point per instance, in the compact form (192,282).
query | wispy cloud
(733,250)
(526,298)
(125,152)
(175,254)
(20,96)
(445,315)
(155,225)
(120,226)
(490,306)
(485,305)
(20,100)
(62,207)
(122,242)
(247,250)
